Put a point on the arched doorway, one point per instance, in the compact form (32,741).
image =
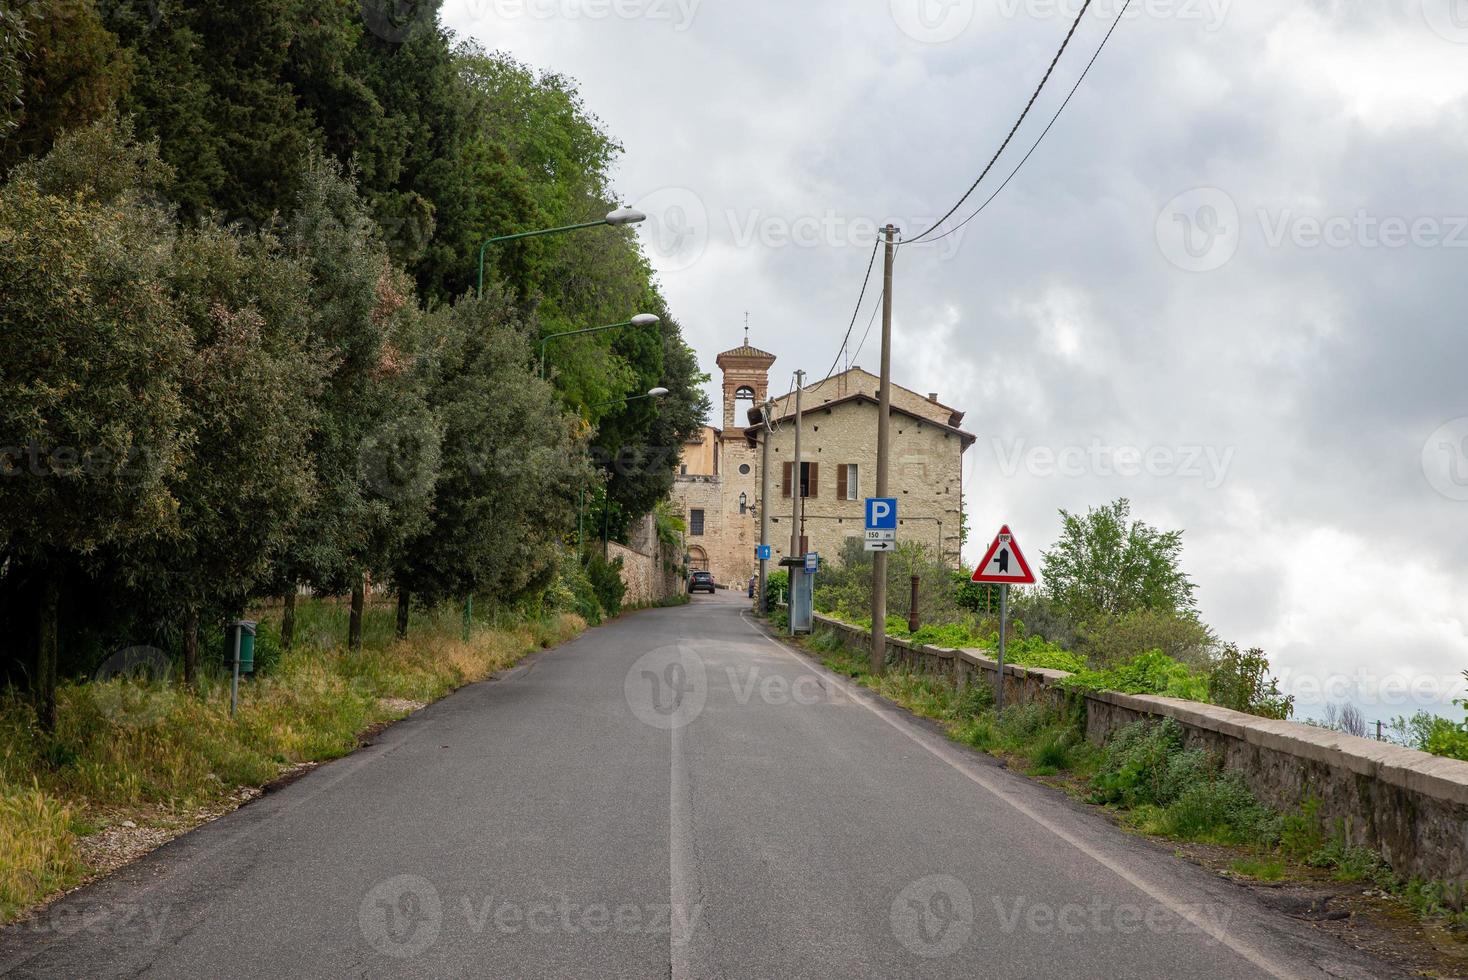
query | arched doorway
(698,559)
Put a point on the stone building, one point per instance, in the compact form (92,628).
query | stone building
(719,481)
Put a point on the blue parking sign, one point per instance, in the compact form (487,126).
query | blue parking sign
(881,513)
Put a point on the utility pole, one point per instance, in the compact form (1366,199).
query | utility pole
(764,504)
(795,472)
(796,571)
(884,413)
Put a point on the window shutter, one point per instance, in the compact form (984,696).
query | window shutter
(840,481)
(814,489)
(785,482)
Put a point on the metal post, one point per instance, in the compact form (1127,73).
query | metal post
(468,616)
(234,682)
(795,492)
(1003,626)
(884,415)
(764,506)
(912,608)
(580,512)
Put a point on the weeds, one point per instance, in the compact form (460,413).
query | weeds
(129,746)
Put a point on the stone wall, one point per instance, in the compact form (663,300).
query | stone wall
(649,574)
(1410,807)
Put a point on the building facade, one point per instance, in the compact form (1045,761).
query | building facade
(718,488)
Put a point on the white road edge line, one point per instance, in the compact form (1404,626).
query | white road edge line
(947,755)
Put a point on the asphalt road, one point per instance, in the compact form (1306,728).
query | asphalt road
(674,794)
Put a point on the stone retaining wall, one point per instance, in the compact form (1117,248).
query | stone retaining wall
(1409,806)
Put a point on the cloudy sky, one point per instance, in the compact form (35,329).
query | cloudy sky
(1230,285)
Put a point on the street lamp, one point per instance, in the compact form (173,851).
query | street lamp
(658,392)
(617,218)
(743,503)
(640,320)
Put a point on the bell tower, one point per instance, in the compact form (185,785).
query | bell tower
(746,381)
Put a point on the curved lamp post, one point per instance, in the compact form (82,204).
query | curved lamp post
(640,320)
(659,392)
(617,218)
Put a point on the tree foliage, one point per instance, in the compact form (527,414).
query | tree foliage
(1106,564)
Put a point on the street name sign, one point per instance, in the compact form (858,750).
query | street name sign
(1004,564)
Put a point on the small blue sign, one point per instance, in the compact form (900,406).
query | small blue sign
(812,563)
(763,552)
(881,513)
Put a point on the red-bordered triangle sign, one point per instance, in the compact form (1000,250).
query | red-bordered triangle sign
(1004,564)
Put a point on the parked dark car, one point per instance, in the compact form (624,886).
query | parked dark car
(701,582)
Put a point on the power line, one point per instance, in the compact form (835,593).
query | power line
(1022,116)
(866,281)
(1053,120)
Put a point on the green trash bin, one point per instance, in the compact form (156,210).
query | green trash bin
(245,629)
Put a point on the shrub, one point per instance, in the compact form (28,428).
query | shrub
(1109,639)
(1152,672)
(606,581)
(1241,681)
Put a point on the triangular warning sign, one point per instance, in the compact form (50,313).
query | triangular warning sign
(1004,564)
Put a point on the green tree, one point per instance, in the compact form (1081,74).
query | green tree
(73,71)
(376,443)
(512,464)
(1104,563)
(95,349)
(248,391)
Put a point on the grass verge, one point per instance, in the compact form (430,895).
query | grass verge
(154,756)
(1151,782)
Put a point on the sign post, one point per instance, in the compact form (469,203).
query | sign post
(881,529)
(1003,565)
